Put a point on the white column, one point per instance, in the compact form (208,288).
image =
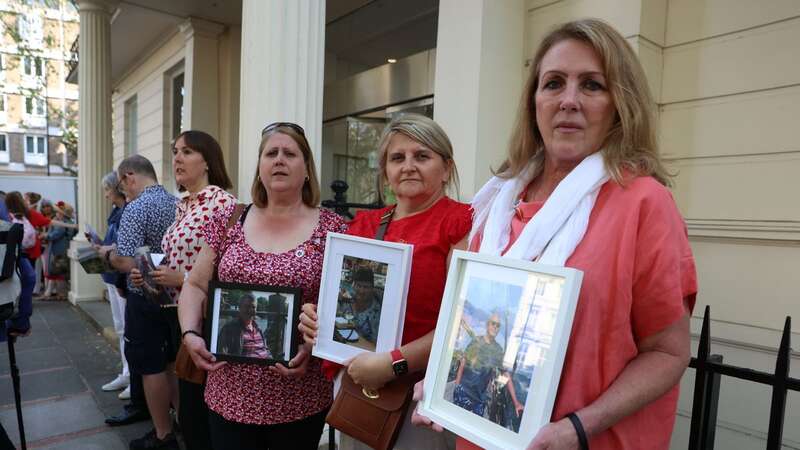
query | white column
(201,75)
(283,55)
(94,144)
(479,77)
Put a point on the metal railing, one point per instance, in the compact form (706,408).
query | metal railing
(709,368)
(340,205)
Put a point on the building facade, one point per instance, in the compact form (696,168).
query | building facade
(38,107)
(723,72)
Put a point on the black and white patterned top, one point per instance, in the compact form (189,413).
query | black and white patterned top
(144,222)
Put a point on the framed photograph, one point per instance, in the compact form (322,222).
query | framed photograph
(253,323)
(499,347)
(362,298)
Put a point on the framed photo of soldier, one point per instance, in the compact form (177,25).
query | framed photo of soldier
(362,299)
(253,323)
(499,347)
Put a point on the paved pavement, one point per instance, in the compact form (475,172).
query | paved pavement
(62,365)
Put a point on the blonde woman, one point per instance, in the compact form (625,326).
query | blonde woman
(583,162)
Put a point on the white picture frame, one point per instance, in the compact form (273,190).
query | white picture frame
(344,331)
(529,308)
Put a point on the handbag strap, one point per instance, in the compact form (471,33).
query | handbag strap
(385,219)
(238,210)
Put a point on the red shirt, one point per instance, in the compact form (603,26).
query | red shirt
(38,220)
(433,232)
(637,269)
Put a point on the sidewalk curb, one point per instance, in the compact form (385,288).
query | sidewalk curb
(107,332)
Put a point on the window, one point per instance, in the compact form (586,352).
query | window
(131,126)
(177,105)
(3,148)
(31,28)
(35,150)
(34,106)
(2,102)
(33,66)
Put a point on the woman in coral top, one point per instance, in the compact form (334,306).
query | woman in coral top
(583,186)
(416,160)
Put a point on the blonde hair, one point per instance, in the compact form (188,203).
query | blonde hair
(425,131)
(310,192)
(631,143)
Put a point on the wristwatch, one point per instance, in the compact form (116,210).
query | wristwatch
(399,363)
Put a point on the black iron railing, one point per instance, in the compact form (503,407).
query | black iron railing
(340,205)
(709,368)
(708,371)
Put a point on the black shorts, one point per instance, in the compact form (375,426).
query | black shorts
(152,335)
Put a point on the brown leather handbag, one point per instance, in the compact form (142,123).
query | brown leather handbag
(372,417)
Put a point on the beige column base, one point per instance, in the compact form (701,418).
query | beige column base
(83,286)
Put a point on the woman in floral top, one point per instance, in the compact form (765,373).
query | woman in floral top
(199,170)
(278,240)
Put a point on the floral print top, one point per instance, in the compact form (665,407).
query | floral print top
(249,393)
(184,238)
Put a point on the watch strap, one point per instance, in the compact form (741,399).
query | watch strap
(397,355)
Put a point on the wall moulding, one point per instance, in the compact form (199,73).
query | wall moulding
(784,232)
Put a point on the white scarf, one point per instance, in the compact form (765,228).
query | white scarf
(554,232)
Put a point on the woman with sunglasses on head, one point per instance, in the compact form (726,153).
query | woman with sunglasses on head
(199,170)
(279,239)
(416,161)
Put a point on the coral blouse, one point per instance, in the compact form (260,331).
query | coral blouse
(638,268)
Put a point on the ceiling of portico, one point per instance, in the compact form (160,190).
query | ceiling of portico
(362,32)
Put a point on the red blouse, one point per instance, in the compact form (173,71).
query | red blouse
(38,220)
(433,232)
(249,393)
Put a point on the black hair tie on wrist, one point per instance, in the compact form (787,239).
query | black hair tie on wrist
(576,422)
(183,335)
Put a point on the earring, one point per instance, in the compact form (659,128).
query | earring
(307,178)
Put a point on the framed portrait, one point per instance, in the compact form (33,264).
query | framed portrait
(499,347)
(362,298)
(253,323)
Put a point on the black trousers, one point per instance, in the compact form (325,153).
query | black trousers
(137,391)
(193,415)
(303,434)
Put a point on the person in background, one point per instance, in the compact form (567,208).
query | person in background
(278,240)
(584,150)
(416,160)
(199,169)
(149,347)
(113,194)
(57,244)
(45,207)
(20,325)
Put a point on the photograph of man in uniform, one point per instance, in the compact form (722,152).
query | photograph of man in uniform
(481,365)
(241,336)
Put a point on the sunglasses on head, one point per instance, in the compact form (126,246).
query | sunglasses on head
(275,125)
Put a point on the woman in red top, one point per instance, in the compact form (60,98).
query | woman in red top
(416,159)
(278,240)
(584,150)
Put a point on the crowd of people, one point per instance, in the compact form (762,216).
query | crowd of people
(582,186)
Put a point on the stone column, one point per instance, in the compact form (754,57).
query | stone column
(201,75)
(94,144)
(283,54)
(479,77)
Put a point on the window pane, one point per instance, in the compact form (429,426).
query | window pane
(27,64)
(3,145)
(28,105)
(29,144)
(40,145)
